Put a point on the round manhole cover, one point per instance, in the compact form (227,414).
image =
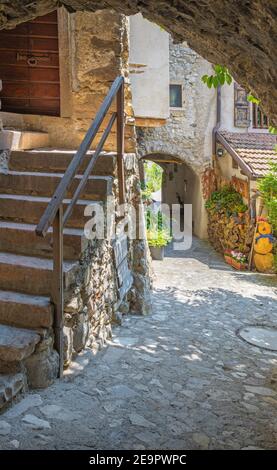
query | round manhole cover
(261,336)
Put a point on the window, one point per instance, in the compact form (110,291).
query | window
(176,99)
(241,109)
(259,119)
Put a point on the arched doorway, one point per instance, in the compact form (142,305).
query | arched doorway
(181,184)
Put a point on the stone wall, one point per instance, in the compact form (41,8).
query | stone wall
(98,53)
(140,259)
(188,132)
(92,304)
(94,50)
(92,300)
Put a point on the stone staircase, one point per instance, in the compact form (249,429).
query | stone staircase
(26,314)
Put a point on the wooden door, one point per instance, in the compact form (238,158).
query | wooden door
(29,67)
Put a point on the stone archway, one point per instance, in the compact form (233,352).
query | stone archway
(181,184)
(240,36)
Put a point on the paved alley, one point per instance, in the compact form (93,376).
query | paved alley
(180,378)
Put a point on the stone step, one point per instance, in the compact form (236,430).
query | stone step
(22,208)
(44,184)
(31,275)
(25,311)
(22,239)
(22,140)
(16,344)
(57,161)
(11,386)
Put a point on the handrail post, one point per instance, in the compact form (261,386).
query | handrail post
(57,287)
(120,143)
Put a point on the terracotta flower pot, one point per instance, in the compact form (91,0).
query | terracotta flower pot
(238,265)
(228,259)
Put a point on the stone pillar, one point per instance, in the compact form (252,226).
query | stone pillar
(140,295)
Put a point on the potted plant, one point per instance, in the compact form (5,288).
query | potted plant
(158,233)
(239,260)
(228,256)
(157,241)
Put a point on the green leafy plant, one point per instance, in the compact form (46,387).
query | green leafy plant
(153,176)
(227,199)
(241,208)
(252,99)
(272,130)
(158,228)
(220,77)
(268,189)
(158,239)
(146,192)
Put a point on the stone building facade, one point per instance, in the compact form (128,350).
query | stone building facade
(93,50)
(103,279)
(187,135)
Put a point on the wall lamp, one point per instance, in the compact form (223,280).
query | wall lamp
(220,152)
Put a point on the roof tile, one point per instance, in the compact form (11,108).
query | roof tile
(256,150)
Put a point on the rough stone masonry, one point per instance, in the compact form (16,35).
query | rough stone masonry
(240,35)
(187,132)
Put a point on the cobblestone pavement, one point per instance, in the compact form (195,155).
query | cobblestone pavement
(177,379)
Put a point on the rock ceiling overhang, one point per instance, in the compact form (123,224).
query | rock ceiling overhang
(239,34)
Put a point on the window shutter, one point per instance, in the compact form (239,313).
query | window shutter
(241,107)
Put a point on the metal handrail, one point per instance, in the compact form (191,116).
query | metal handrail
(53,214)
(52,208)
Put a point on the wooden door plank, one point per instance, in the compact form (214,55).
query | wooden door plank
(49,18)
(29,67)
(35,74)
(19,58)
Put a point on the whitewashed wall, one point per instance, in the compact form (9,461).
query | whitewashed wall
(227,112)
(149,68)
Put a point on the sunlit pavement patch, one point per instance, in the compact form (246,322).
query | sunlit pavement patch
(261,336)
